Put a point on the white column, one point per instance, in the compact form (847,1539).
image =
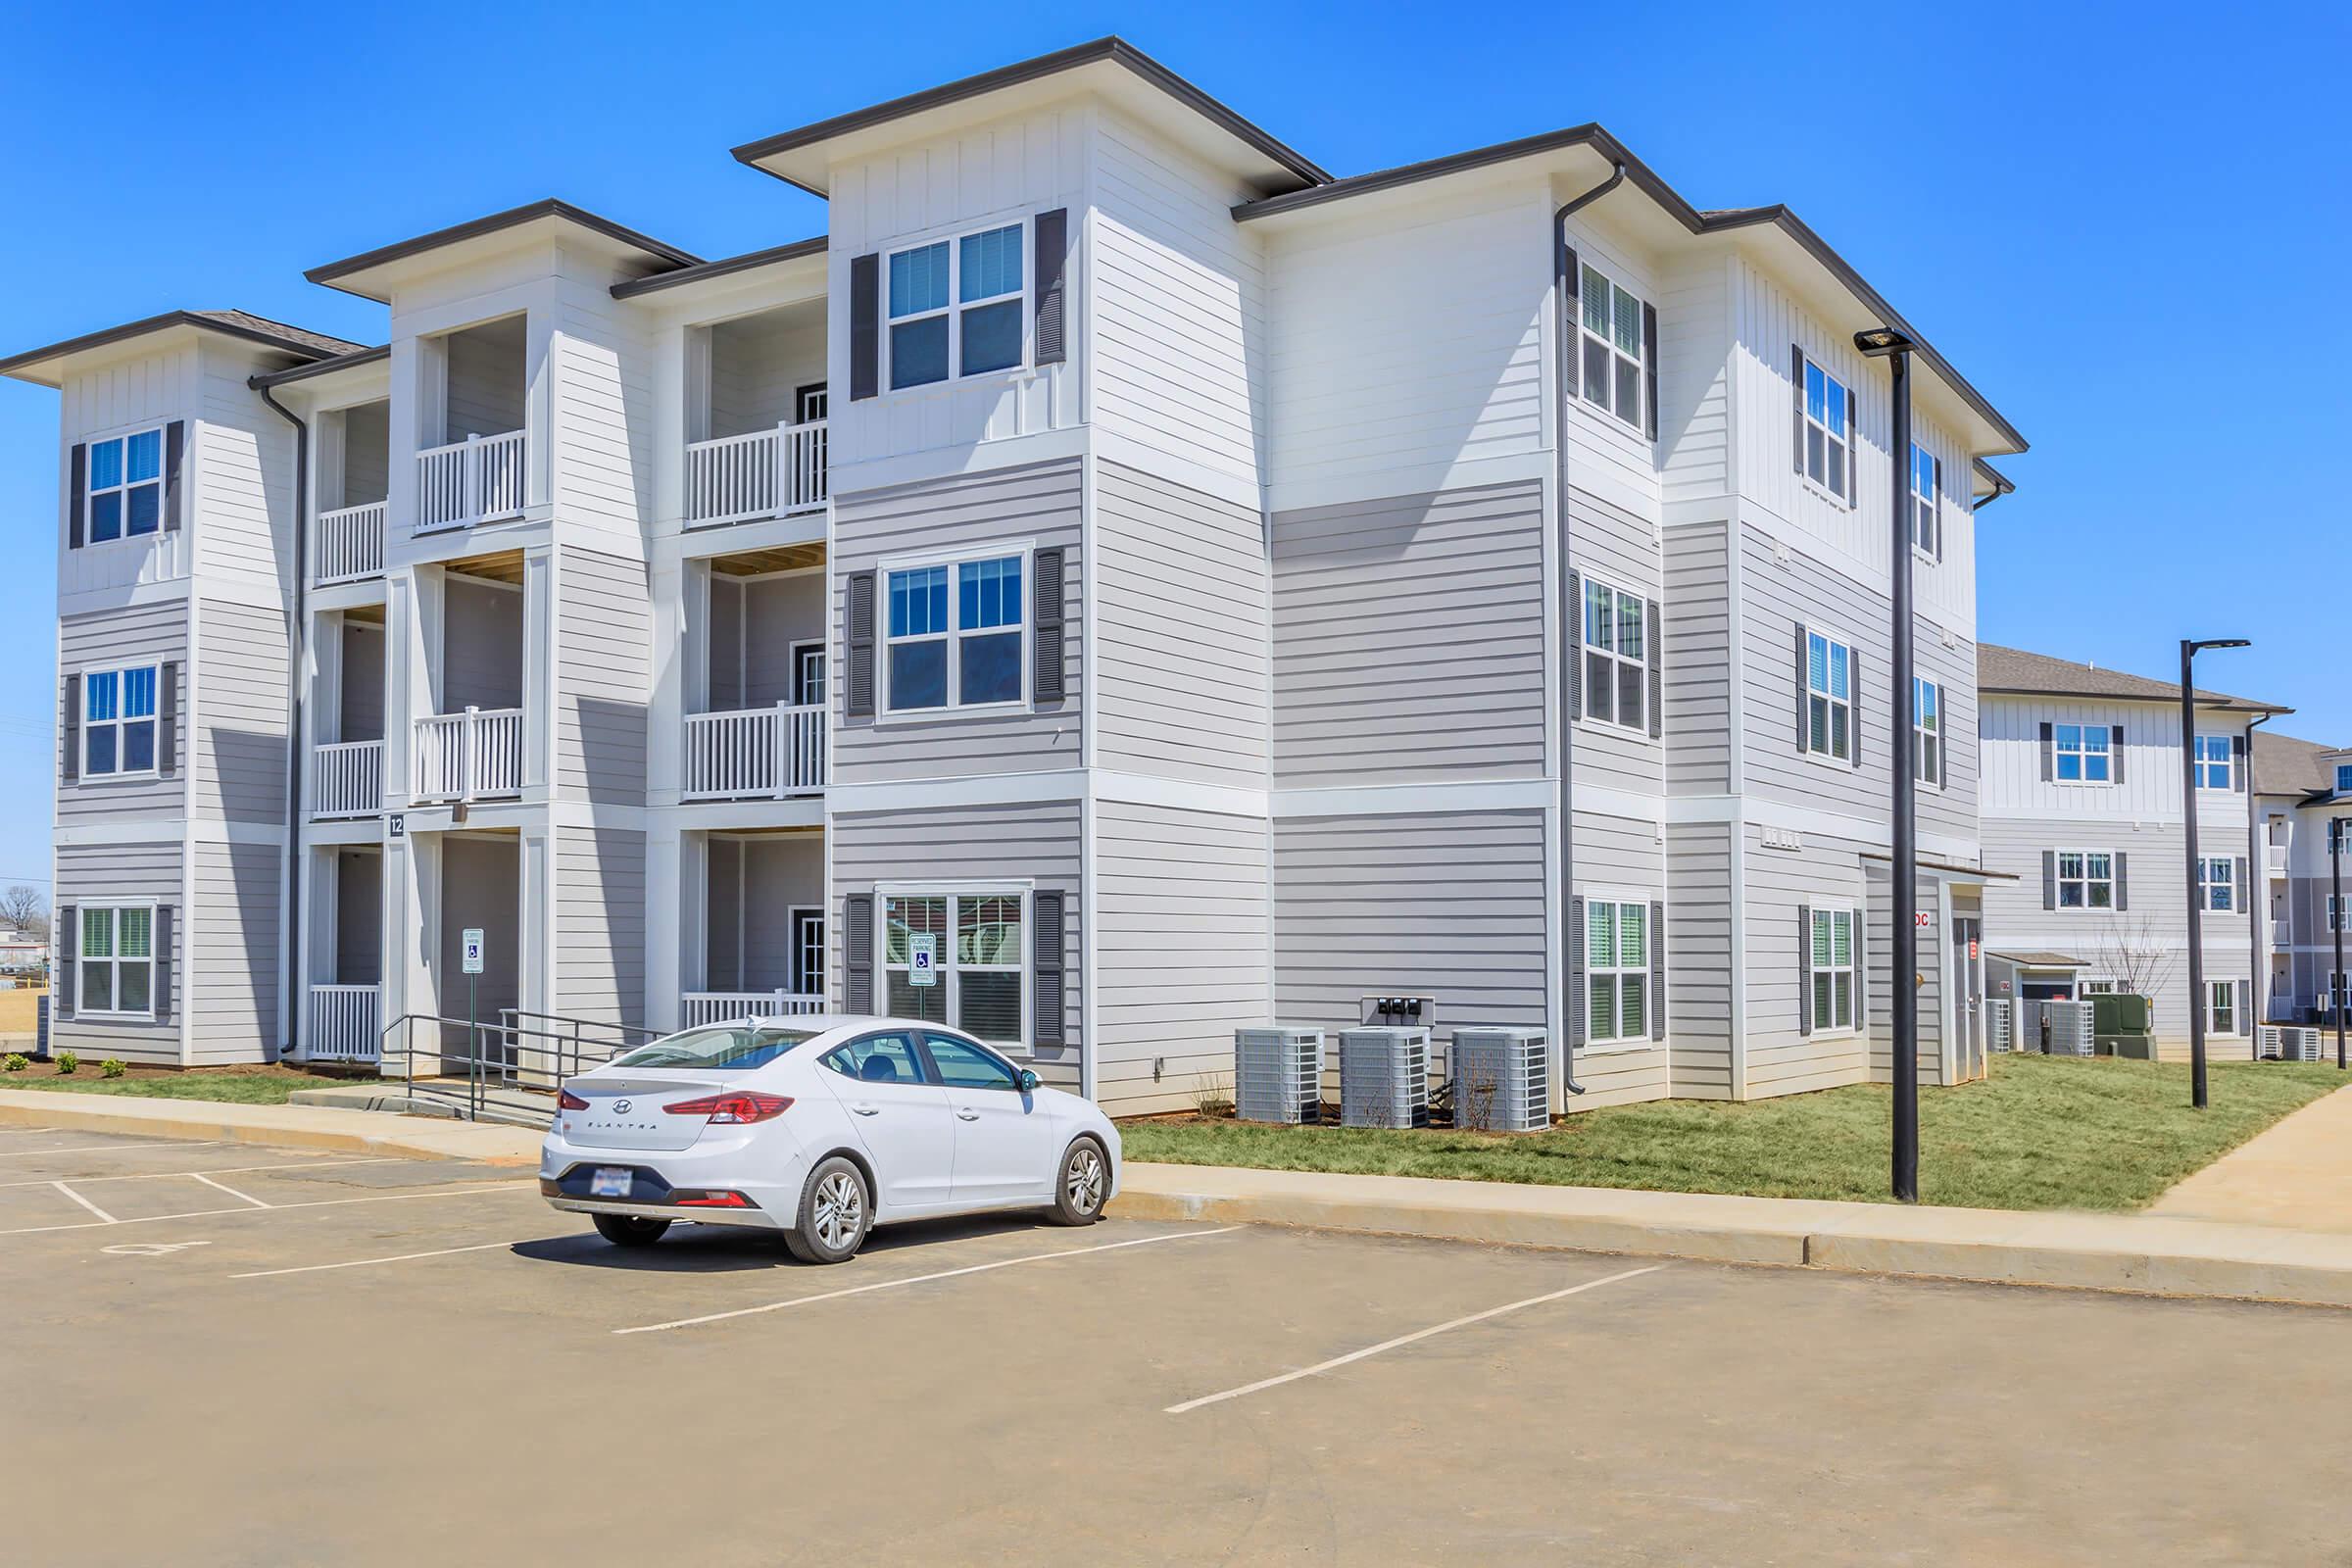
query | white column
(537,940)
(543,347)
(665,721)
(666,916)
(541,585)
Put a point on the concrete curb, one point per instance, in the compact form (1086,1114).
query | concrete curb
(312,1127)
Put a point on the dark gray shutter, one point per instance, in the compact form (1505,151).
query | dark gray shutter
(77,497)
(1572,341)
(1657,970)
(857,951)
(1935,508)
(857,639)
(1796,399)
(2049,752)
(1046,986)
(2245,1019)
(1576,645)
(70,728)
(2115,754)
(160,990)
(2238,764)
(1047,614)
(1804,695)
(1657,676)
(1853,450)
(1649,368)
(1052,243)
(2049,879)
(176,494)
(1804,969)
(2122,881)
(1576,971)
(865,325)
(66,985)
(167,717)
(1861,974)
(1853,693)
(2239,900)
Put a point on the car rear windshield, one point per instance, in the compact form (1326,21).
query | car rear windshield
(717,1049)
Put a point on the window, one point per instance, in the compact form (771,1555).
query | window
(126,486)
(2083,753)
(2221,1012)
(958,649)
(1616,661)
(808,674)
(2086,879)
(1922,501)
(1829,696)
(1927,731)
(2217,875)
(1616,971)
(118,961)
(876,1060)
(2098,988)
(1612,348)
(956,308)
(964,1065)
(723,1050)
(2335,912)
(976,979)
(2212,762)
(2343,779)
(1835,974)
(118,721)
(1829,444)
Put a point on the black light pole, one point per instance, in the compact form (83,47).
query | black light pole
(1884,342)
(2337,991)
(2196,882)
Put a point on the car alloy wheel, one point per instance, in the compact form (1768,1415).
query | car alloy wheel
(840,1215)
(1082,1179)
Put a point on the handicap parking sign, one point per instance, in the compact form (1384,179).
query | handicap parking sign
(923,960)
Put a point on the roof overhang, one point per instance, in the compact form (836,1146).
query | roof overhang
(324,368)
(2040,960)
(1111,67)
(373,274)
(2212,702)
(736,267)
(47,366)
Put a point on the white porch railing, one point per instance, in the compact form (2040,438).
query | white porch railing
(2282,934)
(701,1007)
(344,1023)
(465,756)
(349,543)
(2273,855)
(754,753)
(470,482)
(767,473)
(347,778)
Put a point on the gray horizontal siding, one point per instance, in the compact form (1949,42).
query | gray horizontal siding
(1697,683)
(1826,873)
(599,924)
(1620,858)
(241,718)
(603,658)
(1619,548)
(103,873)
(233,945)
(1701,983)
(112,638)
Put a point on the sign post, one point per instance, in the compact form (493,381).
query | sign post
(470,945)
(922,967)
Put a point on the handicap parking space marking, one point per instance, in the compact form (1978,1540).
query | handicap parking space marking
(531,1187)
(149,1249)
(104,1218)
(1403,1340)
(922,1279)
(231,1191)
(400,1257)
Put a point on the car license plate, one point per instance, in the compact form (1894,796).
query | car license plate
(608,1181)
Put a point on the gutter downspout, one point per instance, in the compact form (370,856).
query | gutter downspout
(1570,941)
(295,711)
(1989,499)
(2257,869)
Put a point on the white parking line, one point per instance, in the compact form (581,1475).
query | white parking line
(277,1208)
(920,1279)
(87,1148)
(231,1191)
(219,1170)
(104,1218)
(1336,1361)
(403,1257)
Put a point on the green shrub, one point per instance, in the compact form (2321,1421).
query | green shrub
(66,1061)
(15,1062)
(113,1068)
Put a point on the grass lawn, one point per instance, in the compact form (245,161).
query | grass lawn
(2042,1132)
(244,1086)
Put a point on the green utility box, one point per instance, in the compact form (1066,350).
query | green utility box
(2123,1025)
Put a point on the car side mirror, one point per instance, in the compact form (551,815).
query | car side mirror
(1028,1082)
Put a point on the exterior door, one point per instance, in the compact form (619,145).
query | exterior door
(901,1117)
(809,675)
(807,952)
(1968,1003)
(1005,1141)
(809,403)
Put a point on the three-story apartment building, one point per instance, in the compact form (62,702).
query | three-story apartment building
(1174,587)
(2302,803)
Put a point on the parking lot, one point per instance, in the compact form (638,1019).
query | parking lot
(217,1354)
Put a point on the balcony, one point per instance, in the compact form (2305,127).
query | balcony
(347,539)
(756,434)
(2282,934)
(755,754)
(345,1023)
(767,473)
(347,543)
(2274,857)
(475,410)
(698,1008)
(476,480)
(472,756)
(347,778)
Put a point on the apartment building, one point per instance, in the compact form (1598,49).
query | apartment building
(1169,585)
(2302,798)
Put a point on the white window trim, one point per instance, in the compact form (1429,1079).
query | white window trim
(1026,703)
(1921,777)
(2060,880)
(1804,698)
(796,652)
(2058,753)
(2343,779)
(793,957)
(1932,497)
(2227,765)
(1022,889)
(2213,1024)
(1585,715)
(2228,879)
(80,913)
(82,764)
(90,491)
(1639,425)
(1616,1044)
(1857,969)
(1821,487)
(953,309)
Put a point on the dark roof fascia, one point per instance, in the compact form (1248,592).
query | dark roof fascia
(2002,484)
(512,217)
(341,362)
(2205,699)
(721,268)
(157,323)
(1691,217)
(1114,49)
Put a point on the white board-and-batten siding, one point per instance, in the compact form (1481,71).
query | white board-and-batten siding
(135,392)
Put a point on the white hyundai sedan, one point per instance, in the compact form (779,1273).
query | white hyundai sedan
(820,1127)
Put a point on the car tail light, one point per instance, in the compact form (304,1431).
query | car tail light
(733,1109)
(696,1198)
(567,1100)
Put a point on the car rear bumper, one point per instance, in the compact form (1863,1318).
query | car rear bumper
(754,1218)
(658,1178)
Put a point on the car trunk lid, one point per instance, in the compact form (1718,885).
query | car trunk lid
(625,1111)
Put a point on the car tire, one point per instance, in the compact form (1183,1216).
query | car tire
(836,1211)
(1082,1184)
(629,1230)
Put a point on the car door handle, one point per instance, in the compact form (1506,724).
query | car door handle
(867,1110)
(963,1114)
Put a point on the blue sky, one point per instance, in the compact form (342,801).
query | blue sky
(2121,223)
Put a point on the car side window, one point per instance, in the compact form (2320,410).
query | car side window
(964,1065)
(886,1059)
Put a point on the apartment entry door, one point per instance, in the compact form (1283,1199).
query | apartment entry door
(1968,1000)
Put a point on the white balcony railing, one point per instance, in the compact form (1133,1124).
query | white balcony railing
(349,543)
(2282,934)
(767,473)
(2273,855)
(468,755)
(701,1007)
(474,480)
(344,1023)
(347,778)
(755,754)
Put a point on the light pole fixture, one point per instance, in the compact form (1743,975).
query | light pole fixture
(2339,990)
(1896,347)
(2189,650)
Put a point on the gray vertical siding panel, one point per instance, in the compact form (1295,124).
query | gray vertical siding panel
(1699,978)
(239,739)
(1041,503)
(112,638)
(1408,638)
(103,873)
(1181,678)
(231,937)
(604,653)
(1698,661)
(599,924)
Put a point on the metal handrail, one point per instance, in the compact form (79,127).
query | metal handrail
(493,1054)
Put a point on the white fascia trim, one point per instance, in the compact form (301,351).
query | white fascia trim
(170,830)
(97,601)
(1114,445)
(1531,467)
(799,810)
(1179,794)
(945,463)
(1751,811)
(576,814)
(1396,800)
(1001,789)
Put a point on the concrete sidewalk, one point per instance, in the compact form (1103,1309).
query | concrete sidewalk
(2144,1253)
(2298,1174)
